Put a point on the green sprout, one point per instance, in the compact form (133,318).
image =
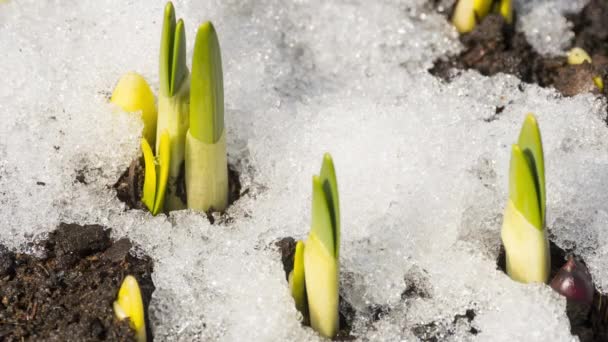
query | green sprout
(578,56)
(297,280)
(523,231)
(133,94)
(173,99)
(468,13)
(505,9)
(129,305)
(206,161)
(156,175)
(188,131)
(322,252)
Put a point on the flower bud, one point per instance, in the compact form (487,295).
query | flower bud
(573,281)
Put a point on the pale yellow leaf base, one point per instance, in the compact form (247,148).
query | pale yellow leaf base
(322,287)
(526,247)
(206,174)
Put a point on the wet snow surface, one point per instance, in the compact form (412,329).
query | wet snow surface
(422,165)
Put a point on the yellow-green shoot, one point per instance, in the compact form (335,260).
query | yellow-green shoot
(129,304)
(297,281)
(133,94)
(322,252)
(523,231)
(579,56)
(468,13)
(505,9)
(156,174)
(205,155)
(173,99)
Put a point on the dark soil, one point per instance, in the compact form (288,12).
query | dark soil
(588,322)
(494,47)
(130,185)
(590,29)
(66,292)
(440,330)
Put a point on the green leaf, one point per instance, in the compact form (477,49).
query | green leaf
(322,225)
(330,188)
(179,70)
(297,281)
(531,144)
(166,49)
(326,207)
(522,187)
(505,9)
(207,87)
(164,159)
(482,8)
(172,64)
(149,192)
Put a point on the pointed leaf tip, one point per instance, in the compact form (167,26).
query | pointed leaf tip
(129,304)
(522,187)
(166,49)
(322,225)
(207,87)
(179,69)
(172,62)
(330,188)
(530,142)
(169,10)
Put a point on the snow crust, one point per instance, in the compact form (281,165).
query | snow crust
(422,165)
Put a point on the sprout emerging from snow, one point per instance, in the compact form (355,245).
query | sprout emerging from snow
(523,232)
(468,13)
(297,281)
(133,94)
(578,56)
(322,252)
(189,129)
(129,304)
(173,99)
(205,156)
(156,174)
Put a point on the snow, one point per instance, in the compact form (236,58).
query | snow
(421,164)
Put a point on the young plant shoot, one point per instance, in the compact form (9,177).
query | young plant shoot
(129,304)
(322,252)
(297,279)
(156,173)
(206,163)
(523,231)
(468,13)
(579,56)
(173,99)
(133,94)
(505,9)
